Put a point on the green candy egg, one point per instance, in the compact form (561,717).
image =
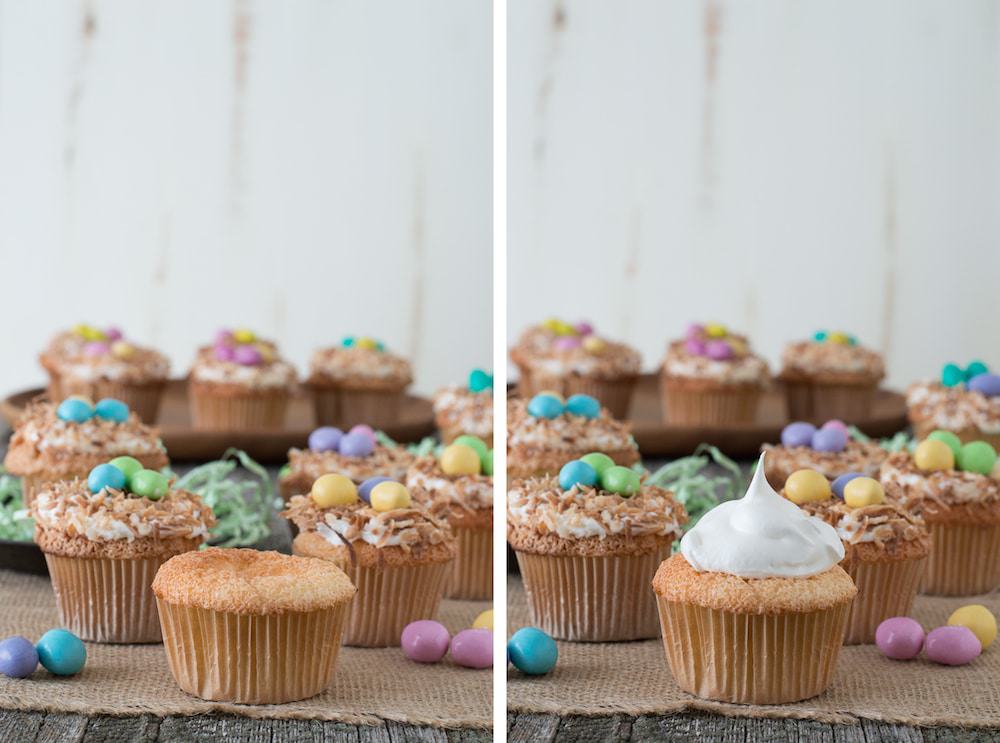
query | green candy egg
(488,463)
(975,368)
(149,484)
(598,461)
(473,442)
(952,375)
(620,480)
(128,465)
(977,456)
(954,443)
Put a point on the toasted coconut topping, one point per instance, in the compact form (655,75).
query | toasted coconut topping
(266,375)
(385,461)
(142,365)
(918,490)
(747,368)
(536,349)
(885,524)
(814,359)
(345,364)
(566,432)
(458,408)
(865,457)
(447,495)
(952,408)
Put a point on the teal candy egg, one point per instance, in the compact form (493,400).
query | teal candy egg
(74,410)
(348,341)
(545,406)
(952,375)
(149,484)
(480,380)
(819,336)
(111,410)
(600,462)
(977,456)
(105,476)
(61,652)
(975,368)
(584,406)
(577,473)
(620,480)
(532,651)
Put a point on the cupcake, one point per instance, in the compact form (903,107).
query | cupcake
(466,410)
(358,381)
(829,450)
(240,384)
(830,376)
(105,537)
(964,401)
(66,441)
(357,454)
(587,543)
(572,359)
(397,554)
(97,363)
(545,433)
(754,608)
(457,487)
(956,489)
(711,378)
(251,627)
(885,545)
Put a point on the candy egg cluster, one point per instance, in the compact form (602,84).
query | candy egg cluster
(855,489)
(59,651)
(128,475)
(832,436)
(552,405)
(599,470)
(381,493)
(572,336)
(976,377)
(969,631)
(466,455)
(480,381)
(358,442)
(713,341)
(427,641)
(835,336)
(103,342)
(943,450)
(363,341)
(532,651)
(241,346)
(81,410)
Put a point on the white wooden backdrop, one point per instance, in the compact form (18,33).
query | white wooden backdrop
(309,169)
(779,166)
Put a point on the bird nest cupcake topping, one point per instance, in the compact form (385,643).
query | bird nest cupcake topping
(711,351)
(360,358)
(580,423)
(240,358)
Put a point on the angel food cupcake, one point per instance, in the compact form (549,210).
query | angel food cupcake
(546,432)
(240,384)
(358,381)
(356,454)
(66,441)
(955,488)
(572,359)
(457,487)
(98,363)
(885,545)
(711,378)
(830,376)
(963,401)
(104,539)
(754,608)
(251,627)
(829,450)
(466,410)
(395,552)
(587,543)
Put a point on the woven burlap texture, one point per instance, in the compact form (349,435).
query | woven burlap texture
(633,678)
(369,685)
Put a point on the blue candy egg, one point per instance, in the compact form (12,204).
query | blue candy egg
(545,406)
(830,439)
(326,438)
(584,406)
(74,410)
(841,482)
(532,651)
(18,657)
(111,410)
(577,473)
(356,444)
(365,489)
(986,384)
(61,652)
(799,433)
(105,476)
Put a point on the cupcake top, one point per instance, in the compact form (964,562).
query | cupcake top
(88,354)
(557,347)
(712,352)
(456,484)
(360,359)
(579,423)
(240,359)
(247,581)
(356,454)
(832,355)
(960,399)
(827,449)
(467,408)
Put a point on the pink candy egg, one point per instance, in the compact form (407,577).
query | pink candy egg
(224,337)
(695,331)
(584,328)
(473,648)
(425,641)
(836,424)
(96,348)
(365,430)
(247,355)
(567,343)
(718,350)
(113,334)
(952,645)
(695,346)
(224,353)
(900,638)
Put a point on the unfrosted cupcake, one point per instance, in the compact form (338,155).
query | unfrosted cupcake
(545,433)
(956,489)
(457,487)
(104,539)
(251,627)
(828,449)
(711,378)
(395,552)
(830,376)
(885,545)
(466,410)
(572,359)
(356,454)
(240,384)
(98,363)
(963,401)
(358,381)
(63,442)
(587,543)
(754,608)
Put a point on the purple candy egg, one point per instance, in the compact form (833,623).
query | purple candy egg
(18,657)
(247,355)
(841,482)
(695,331)
(952,645)
(425,641)
(473,648)
(829,439)
(584,328)
(356,445)
(986,384)
(113,334)
(900,638)
(718,350)
(365,489)
(224,337)
(695,346)
(325,438)
(836,424)
(798,433)
(224,353)
(96,348)
(566,343)
(365,429)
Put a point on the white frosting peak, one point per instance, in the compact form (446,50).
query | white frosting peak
(761,535)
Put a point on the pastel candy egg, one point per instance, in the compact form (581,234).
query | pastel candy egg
(841,482)
(567,343)
(550,323)
(715,330)
(532,651)
(932,455)
(599,461)
(718,350)
(96,348)
(986,384)
(564,328)
(584,406)
(61,652)
(952,645)
(149,484)
(390,496)
(365,488)
(738,346)
(425,641)
(954,443)
(247,355)
(356,445)
(333,490)
(975,368)
(473,648)
(840,337)
(830,440)
(484,620)
(113,333)
(348,341)
(369,344)
(798,433)
(106,476)
(584,328)
(224,353)
(266,351)
(695,346)
(488,463)
(577,473)
(979,619)
(74,411)
(122,350)
(863,491)
(951,375)
(365,429)
(807,486)
(473,442)
(545,406)
(480,380)
(128,466)
(593,344)
(18,657)
(243,335)
(695,330)
(900,638)
(224,337)
(111,410)
(977,456)
(620,480)
(836,424)
(325,438)
(459,459)
(819,336)
(93,334)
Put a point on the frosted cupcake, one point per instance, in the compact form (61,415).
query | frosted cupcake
(754,608)
(711,378)
(66,441)
(828,450)
(466,410)
(356,454)
(394,551)
(955,488)
(358,381)
(587,543)
(885,545)
(963,401)
(98,363)
(572,359)
(545,433)
(457,487)
(240,384)
(104,539)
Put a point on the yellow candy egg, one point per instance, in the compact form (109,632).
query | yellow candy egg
(242,335)
(388,496)
(593,344)
(863,491)
(93,334)
(552,324)
(932,455)
(807,486)
(81,329)
(838,336)
(484,621)
(334,490)
(369,343)
(266,350)
(738,346)
(564,328)
(715,330)
(122,350)
(978,619)
(459,459)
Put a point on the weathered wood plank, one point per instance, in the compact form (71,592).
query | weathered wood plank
(102,729)
(528,728)
(57,727)
(577,729)
(19,726)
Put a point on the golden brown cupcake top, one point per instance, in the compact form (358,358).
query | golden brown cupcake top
(865,457)
(566,432)
(831,360)
(239,359)
(387,461)
(889,527)
(560,348)
(920,490)
(712,352)
(363,361)
(952,408)
(87,354)
(447,495)
(459,408)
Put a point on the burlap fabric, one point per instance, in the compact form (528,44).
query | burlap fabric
(369,684)
(633,678)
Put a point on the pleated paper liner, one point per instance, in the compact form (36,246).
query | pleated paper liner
(821,402)
(252,658)
(751,658)
(964,561)
(472,570)
(885,589)
(714,407)
(604,598)
(614,394)
(143,399)
(238,412)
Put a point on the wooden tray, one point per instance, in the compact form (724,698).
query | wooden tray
(268,447)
